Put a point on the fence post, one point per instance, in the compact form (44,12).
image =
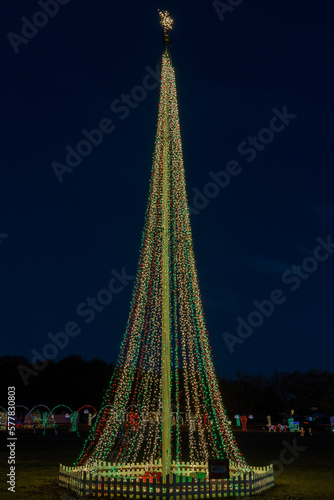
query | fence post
(141,483)
(108,487)
(250,483)
(83,484)
(167,486)
(161,488)
(128,483)
(121,485)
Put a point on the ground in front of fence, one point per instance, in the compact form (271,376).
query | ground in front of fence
(308,477)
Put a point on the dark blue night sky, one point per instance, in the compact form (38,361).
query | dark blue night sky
(255,90)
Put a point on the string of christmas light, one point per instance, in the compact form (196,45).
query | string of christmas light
(130,425)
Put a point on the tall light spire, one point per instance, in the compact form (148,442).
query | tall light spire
(165,373)
(163,412)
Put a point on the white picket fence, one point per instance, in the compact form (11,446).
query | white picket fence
(176,487)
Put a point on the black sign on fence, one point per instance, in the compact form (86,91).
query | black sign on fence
(219,469)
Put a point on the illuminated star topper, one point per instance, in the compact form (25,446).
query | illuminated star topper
(165,20)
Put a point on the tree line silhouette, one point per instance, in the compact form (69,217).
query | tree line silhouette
(75,381)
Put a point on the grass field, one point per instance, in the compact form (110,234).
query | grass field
(304,467)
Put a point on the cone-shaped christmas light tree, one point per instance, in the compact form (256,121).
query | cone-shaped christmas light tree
(163,405)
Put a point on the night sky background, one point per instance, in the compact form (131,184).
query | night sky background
(64,239)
